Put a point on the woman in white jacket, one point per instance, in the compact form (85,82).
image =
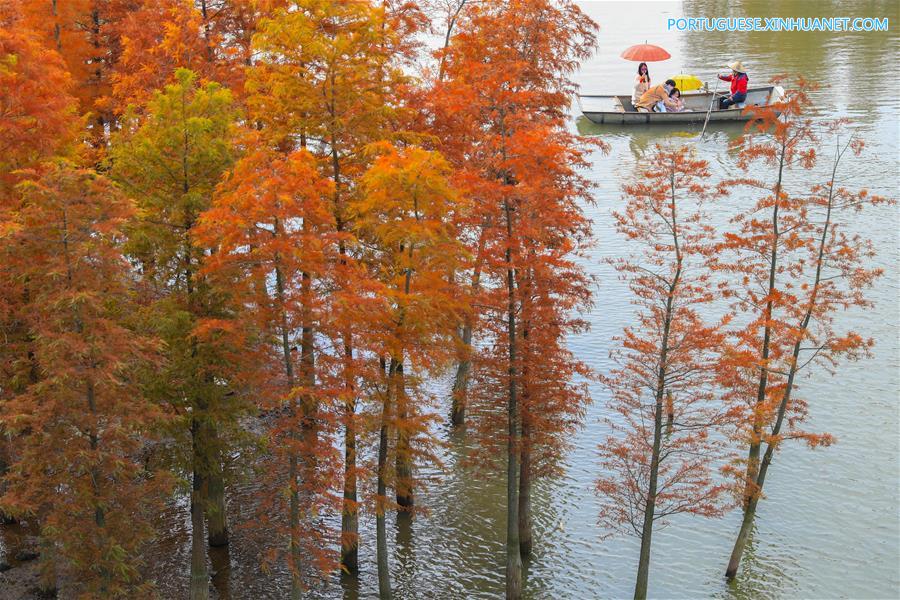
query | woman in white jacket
(641,82)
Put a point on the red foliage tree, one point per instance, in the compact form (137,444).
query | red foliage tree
(797,269)
(84,34)
(38,117)
(38,120)
(500,111)
(272,232)
(658,459)
(210,37)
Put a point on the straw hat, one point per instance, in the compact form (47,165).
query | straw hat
(736,66)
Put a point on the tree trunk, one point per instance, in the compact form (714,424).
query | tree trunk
(404,483)
(670,412)
(384,575)
(464,368)
(47,568)
(525,538)
(294,524)
(513,552)
(404,476)
(752,466)
(350,514)
(293,493)
(461,381)
(755,442)
(750,508)
(350,509)
(216,517)
(643,574)
(746,526)
(199,574)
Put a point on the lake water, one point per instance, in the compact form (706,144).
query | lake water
(829,526)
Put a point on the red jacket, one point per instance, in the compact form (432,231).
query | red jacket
(738,83)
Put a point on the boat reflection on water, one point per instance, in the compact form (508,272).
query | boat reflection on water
(642,139)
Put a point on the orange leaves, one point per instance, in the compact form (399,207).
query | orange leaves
(498,112)
(38,116)
(796,270)
(408,212)
(658,459)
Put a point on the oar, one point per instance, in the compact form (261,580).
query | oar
(709,111)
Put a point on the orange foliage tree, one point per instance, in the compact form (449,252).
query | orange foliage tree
(405,217)
(82,420)
(500,111)
(329,79)
(274,244)
(37,120)
(658,461)
(796,268)
(84,33)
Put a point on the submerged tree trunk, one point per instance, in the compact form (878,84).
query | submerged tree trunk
(404,476)
(349,513)
(461,380)
(308,438)
(404,481)
(464,368)
(525,537)
(199,573)
(381,550)
(47,568)
(216,517)
(750,508)
(513,552)
(294,524)
(294,495)
(350,508)
(643,574)
(525,406)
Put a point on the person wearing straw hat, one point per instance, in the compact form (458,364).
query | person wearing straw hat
(739,81)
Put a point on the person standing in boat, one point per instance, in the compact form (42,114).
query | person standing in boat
(655,97)
(641,82)
(739,81)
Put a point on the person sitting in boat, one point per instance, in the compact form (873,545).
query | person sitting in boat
(654,98)
(641,82)
(674,103)
(739,81)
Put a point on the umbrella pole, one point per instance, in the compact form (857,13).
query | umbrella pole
(709,111)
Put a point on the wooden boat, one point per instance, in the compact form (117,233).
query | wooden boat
(618,110)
